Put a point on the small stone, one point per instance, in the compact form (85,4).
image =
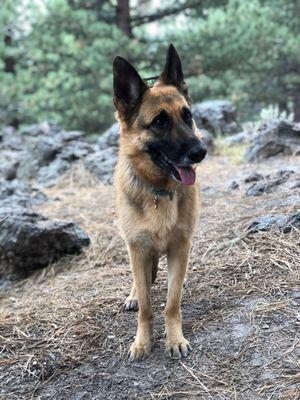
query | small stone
(234,185)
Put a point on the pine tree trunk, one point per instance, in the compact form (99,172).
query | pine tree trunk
(123,17)
(9,62)
(296,106)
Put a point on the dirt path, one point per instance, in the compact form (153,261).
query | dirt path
(64,334)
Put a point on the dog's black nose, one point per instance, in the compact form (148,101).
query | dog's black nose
(197,153)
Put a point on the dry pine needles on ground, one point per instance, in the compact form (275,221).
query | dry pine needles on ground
(64,334)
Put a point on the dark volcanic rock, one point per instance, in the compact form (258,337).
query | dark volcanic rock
(29,241)
(41,152)
(216,116)
(254,177)
(208,140)
(234,185)
(282,222)
(10,161)
(268,184)
(109,138)
(238,138)
(16,193)
(102,164)
(273,138)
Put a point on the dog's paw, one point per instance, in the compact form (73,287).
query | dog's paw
(131,304)
(178,348)
(139,351)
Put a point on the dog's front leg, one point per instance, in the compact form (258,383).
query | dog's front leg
(178,255)
(141,264)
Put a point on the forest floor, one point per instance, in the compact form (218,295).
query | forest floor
(64,334)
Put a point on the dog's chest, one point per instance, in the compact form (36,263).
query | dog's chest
(161,218)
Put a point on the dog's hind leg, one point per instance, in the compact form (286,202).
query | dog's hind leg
(154,267)
(131,302)
(176,345)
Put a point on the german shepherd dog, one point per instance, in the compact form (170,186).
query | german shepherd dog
(156,194)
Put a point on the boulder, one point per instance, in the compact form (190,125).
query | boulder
(41,152)
(10,161)
(29,241)
(208,140)
(109,138)
(272,138)
(16,193)
(10,139)
(253,177)
(265,185)
(38,152)
(238,138)
(284,223)
(102,164)
(234,185)
(216,116)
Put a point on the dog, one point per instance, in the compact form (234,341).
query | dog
(156,191)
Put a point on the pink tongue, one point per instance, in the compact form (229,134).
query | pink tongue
(187,175)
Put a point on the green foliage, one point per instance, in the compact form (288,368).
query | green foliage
(66,72)
(247,52)
(9,104)
(62,53)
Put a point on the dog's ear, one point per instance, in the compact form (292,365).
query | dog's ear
(128,87)
(172,73)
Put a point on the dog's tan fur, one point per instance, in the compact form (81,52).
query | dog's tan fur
(150,232)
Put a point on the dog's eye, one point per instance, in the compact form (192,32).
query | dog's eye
(161,121)
(187,116)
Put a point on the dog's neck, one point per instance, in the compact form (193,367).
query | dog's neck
(145,186)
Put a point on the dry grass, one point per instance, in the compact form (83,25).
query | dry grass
(64,335)
(234,153)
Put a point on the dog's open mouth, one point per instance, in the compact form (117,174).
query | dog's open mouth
(184,174)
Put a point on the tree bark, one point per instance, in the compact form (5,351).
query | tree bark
(123,17)
(9,62)
(296,106)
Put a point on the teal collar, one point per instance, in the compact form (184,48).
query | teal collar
(162,193)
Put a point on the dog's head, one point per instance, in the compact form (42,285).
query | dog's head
(158,132)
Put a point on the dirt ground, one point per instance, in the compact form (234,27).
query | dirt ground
(64,334)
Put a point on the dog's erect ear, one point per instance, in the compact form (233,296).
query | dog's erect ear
(172,73)
(128,87)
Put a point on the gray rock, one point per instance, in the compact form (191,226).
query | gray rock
(29,241)
(49,152)
(282,222)
(102,164)
(16,193)
(10,139)
(254,177)
(49,175)
(269,183)
(76,150)
(216,116)
(9,163)
(293,221)
(234,185)
(273,138)
(109,138)
(208,140)
(68,136)
(43,129)
(238,138)
(39,151)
